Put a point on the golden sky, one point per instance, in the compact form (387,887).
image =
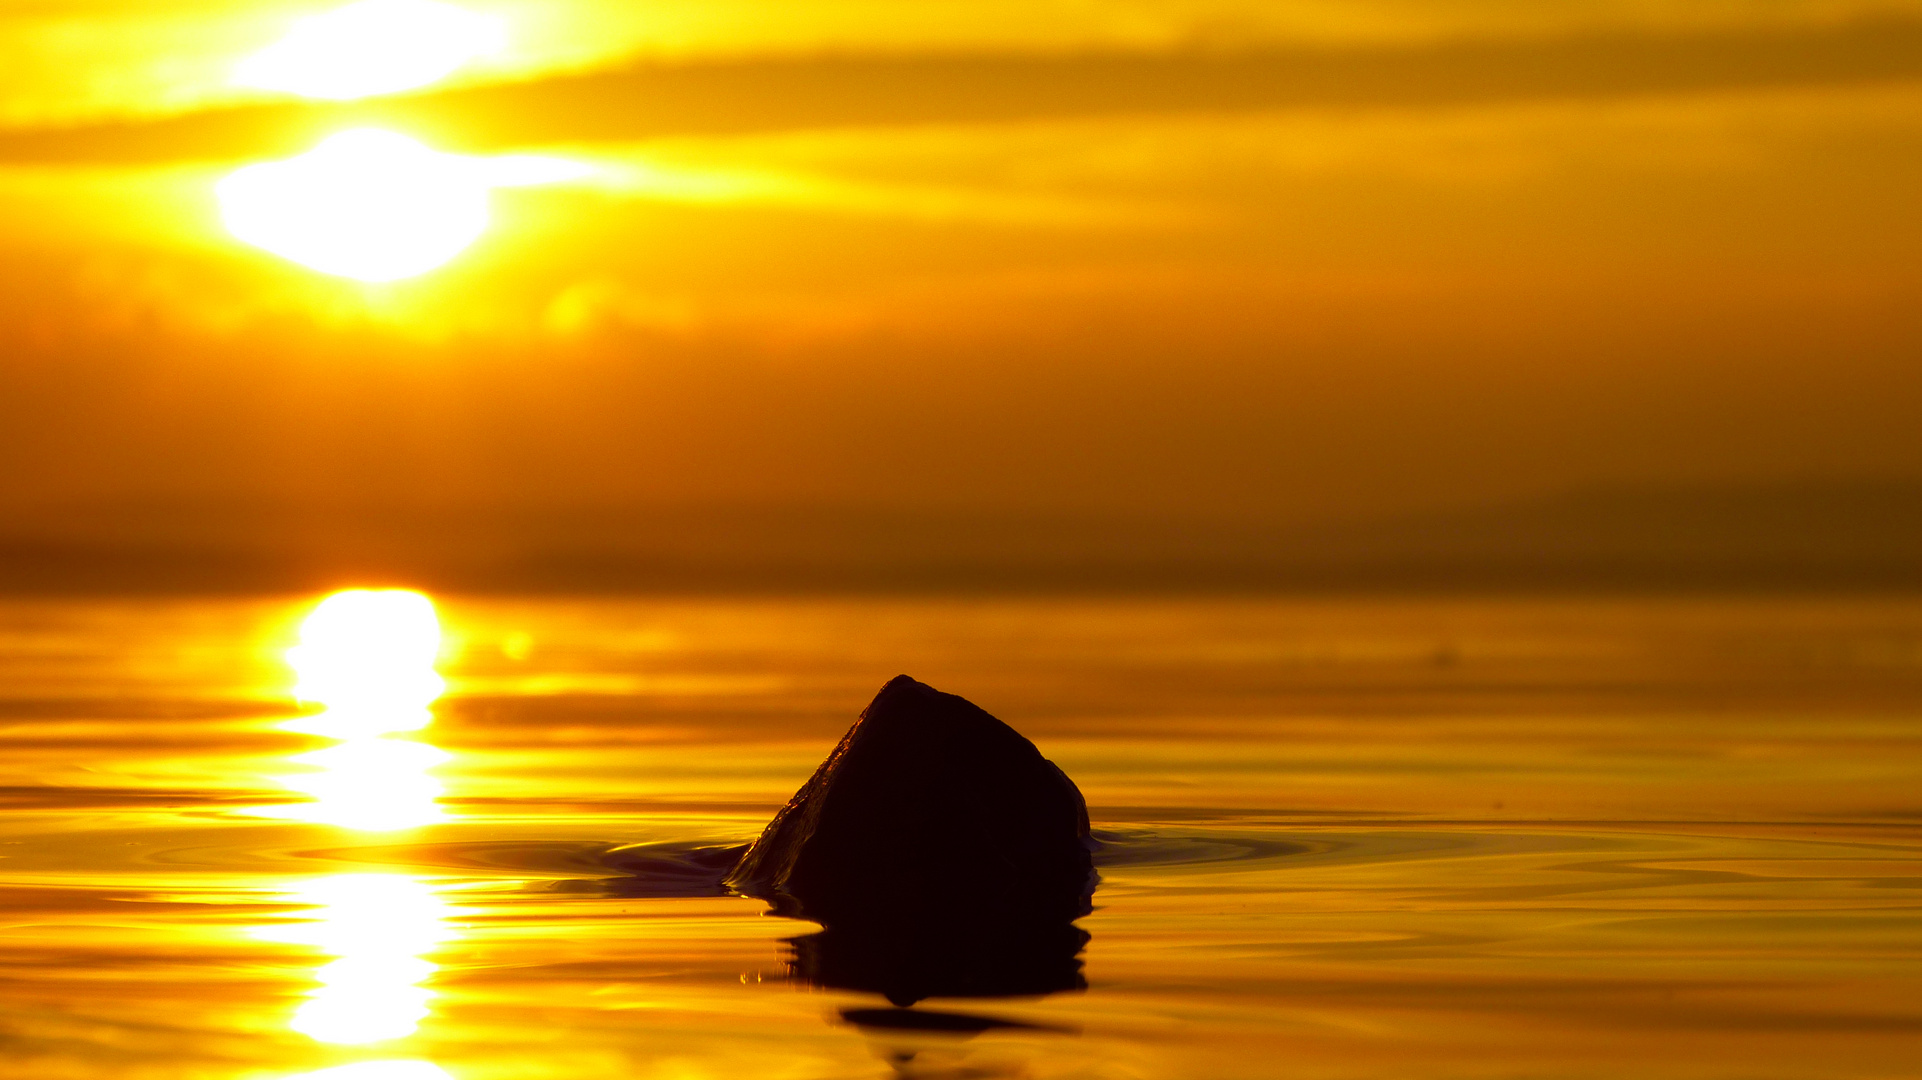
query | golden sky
(1273,260)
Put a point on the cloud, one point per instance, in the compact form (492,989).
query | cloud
(655,100)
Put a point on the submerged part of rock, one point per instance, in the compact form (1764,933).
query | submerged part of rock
(942,852)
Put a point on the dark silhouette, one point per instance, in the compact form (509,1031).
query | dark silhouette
(905,960)
(963,1024)
(941,852)
(927,804)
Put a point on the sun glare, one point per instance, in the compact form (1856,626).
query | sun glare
(373,205)
(368,655)
(372,47)
(365,204)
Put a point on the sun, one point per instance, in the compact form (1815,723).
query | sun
(372,47)
(368,204)
(365,204)
(374,205)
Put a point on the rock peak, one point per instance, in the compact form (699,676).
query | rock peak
(930,802)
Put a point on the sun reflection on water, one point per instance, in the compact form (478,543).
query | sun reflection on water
(378,928)
(368,656)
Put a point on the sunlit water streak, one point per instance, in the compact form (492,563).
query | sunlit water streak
(378,928)
(368,656)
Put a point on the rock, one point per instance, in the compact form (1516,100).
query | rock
(929,810)
(941,852)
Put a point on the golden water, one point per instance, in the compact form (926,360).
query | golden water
(1349,838)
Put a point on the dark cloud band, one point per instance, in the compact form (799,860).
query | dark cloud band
(653,100)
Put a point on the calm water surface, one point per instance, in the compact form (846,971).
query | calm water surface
(1345,839)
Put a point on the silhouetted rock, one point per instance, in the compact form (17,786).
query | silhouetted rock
(928,805)
(944,855)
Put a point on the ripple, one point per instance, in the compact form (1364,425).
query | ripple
(1153,847)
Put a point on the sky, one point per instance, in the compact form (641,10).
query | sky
(1281,263)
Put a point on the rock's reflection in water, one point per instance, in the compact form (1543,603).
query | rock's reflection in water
(923,1044)
(911,961)
(944,1022)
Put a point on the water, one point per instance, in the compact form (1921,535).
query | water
(1554,838)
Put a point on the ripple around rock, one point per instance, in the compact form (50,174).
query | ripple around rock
(941,851)
(1153,847)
